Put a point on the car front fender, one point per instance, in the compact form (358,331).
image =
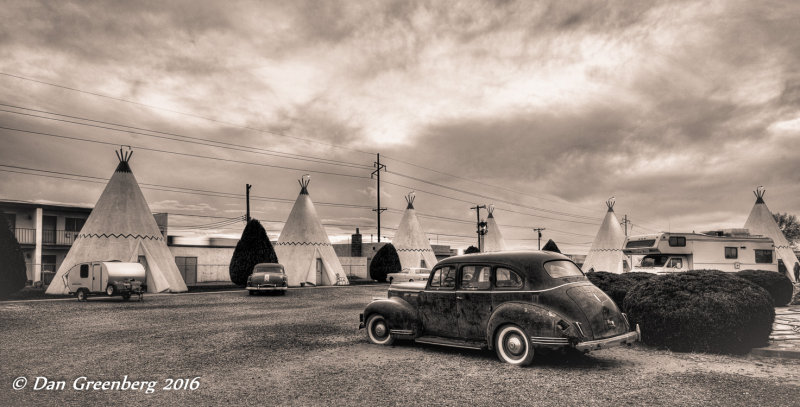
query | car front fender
(399,314)
(541,324)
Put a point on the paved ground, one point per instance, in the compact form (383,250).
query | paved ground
(785,338)
(305,349)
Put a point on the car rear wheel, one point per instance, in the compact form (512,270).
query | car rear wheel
(378,330)
(513,346)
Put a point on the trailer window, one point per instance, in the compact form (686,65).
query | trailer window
(731,253)
(84,271)
(763,256)
(677,241)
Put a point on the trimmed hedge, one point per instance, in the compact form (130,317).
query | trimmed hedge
(385,261)
(777,285)
(705,311)
(253,247)
(617,285)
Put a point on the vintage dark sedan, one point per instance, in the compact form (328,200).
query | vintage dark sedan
(512,302)
(267,277)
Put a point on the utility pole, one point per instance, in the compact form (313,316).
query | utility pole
(478,223)
(625,222)
(248,201)
(377,174)
(539,231)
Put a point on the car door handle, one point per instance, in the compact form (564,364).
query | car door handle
(459,297)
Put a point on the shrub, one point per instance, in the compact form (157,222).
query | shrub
(705,311)
(617,285)
(12,263)
(385,261)
(777,285)
(254,247)
(471,249)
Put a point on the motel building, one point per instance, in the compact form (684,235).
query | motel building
(46,232)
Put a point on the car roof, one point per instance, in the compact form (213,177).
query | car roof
(520,259)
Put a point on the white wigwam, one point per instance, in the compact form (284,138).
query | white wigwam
(413,247)
(304,248)
(493,240)
(121,227)
(606,251)
(761,222)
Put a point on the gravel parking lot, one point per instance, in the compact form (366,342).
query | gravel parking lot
(306,349)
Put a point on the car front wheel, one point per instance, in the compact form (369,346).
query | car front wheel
(378,330)
(513,346)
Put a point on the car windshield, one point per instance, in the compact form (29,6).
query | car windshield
(562,268)
(268,269)
(654,260)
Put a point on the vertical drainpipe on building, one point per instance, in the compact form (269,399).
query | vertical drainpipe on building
(37,253)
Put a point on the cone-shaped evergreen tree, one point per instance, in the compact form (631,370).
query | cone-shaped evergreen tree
(385,261)
(471,249)
(12,263)
(254,247)
(551,246)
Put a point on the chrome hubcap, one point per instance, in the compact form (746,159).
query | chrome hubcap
(380,329)
(514,345)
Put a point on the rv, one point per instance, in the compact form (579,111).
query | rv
(725,250)
(106,278)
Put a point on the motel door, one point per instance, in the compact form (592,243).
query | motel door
(319,272)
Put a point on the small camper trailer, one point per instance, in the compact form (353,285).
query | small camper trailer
(725,250)
(106,278)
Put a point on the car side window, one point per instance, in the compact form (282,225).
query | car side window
(444,278)
(506,279)
(475,277)
(84,271)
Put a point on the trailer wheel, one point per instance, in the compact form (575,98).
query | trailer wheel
(110,290)
(82,294)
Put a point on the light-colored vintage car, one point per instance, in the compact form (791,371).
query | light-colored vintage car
(267,277)
(512,302)
(409,274)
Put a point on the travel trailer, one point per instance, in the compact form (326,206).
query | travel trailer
(726,250)
(106,278)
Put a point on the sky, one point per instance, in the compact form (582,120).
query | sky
(544,109)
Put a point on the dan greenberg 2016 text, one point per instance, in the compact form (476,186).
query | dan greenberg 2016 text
(84,383)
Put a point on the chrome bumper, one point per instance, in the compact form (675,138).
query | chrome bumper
(624,339)
(255,288)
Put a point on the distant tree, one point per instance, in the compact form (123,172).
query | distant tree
(790,227)
(471,249)
(254,247)
(551,246)
(12,263)
(385,261)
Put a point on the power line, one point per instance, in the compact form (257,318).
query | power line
(494,199)
(197,140)
(184,154)
(486,184)
(183,113)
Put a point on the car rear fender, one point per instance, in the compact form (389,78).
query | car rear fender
(538,322)
(399,314)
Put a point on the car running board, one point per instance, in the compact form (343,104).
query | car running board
(455,343)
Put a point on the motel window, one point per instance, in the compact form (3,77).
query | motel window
(73,224)
(84,271)
(731,253)
(677,241)
(763,256)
